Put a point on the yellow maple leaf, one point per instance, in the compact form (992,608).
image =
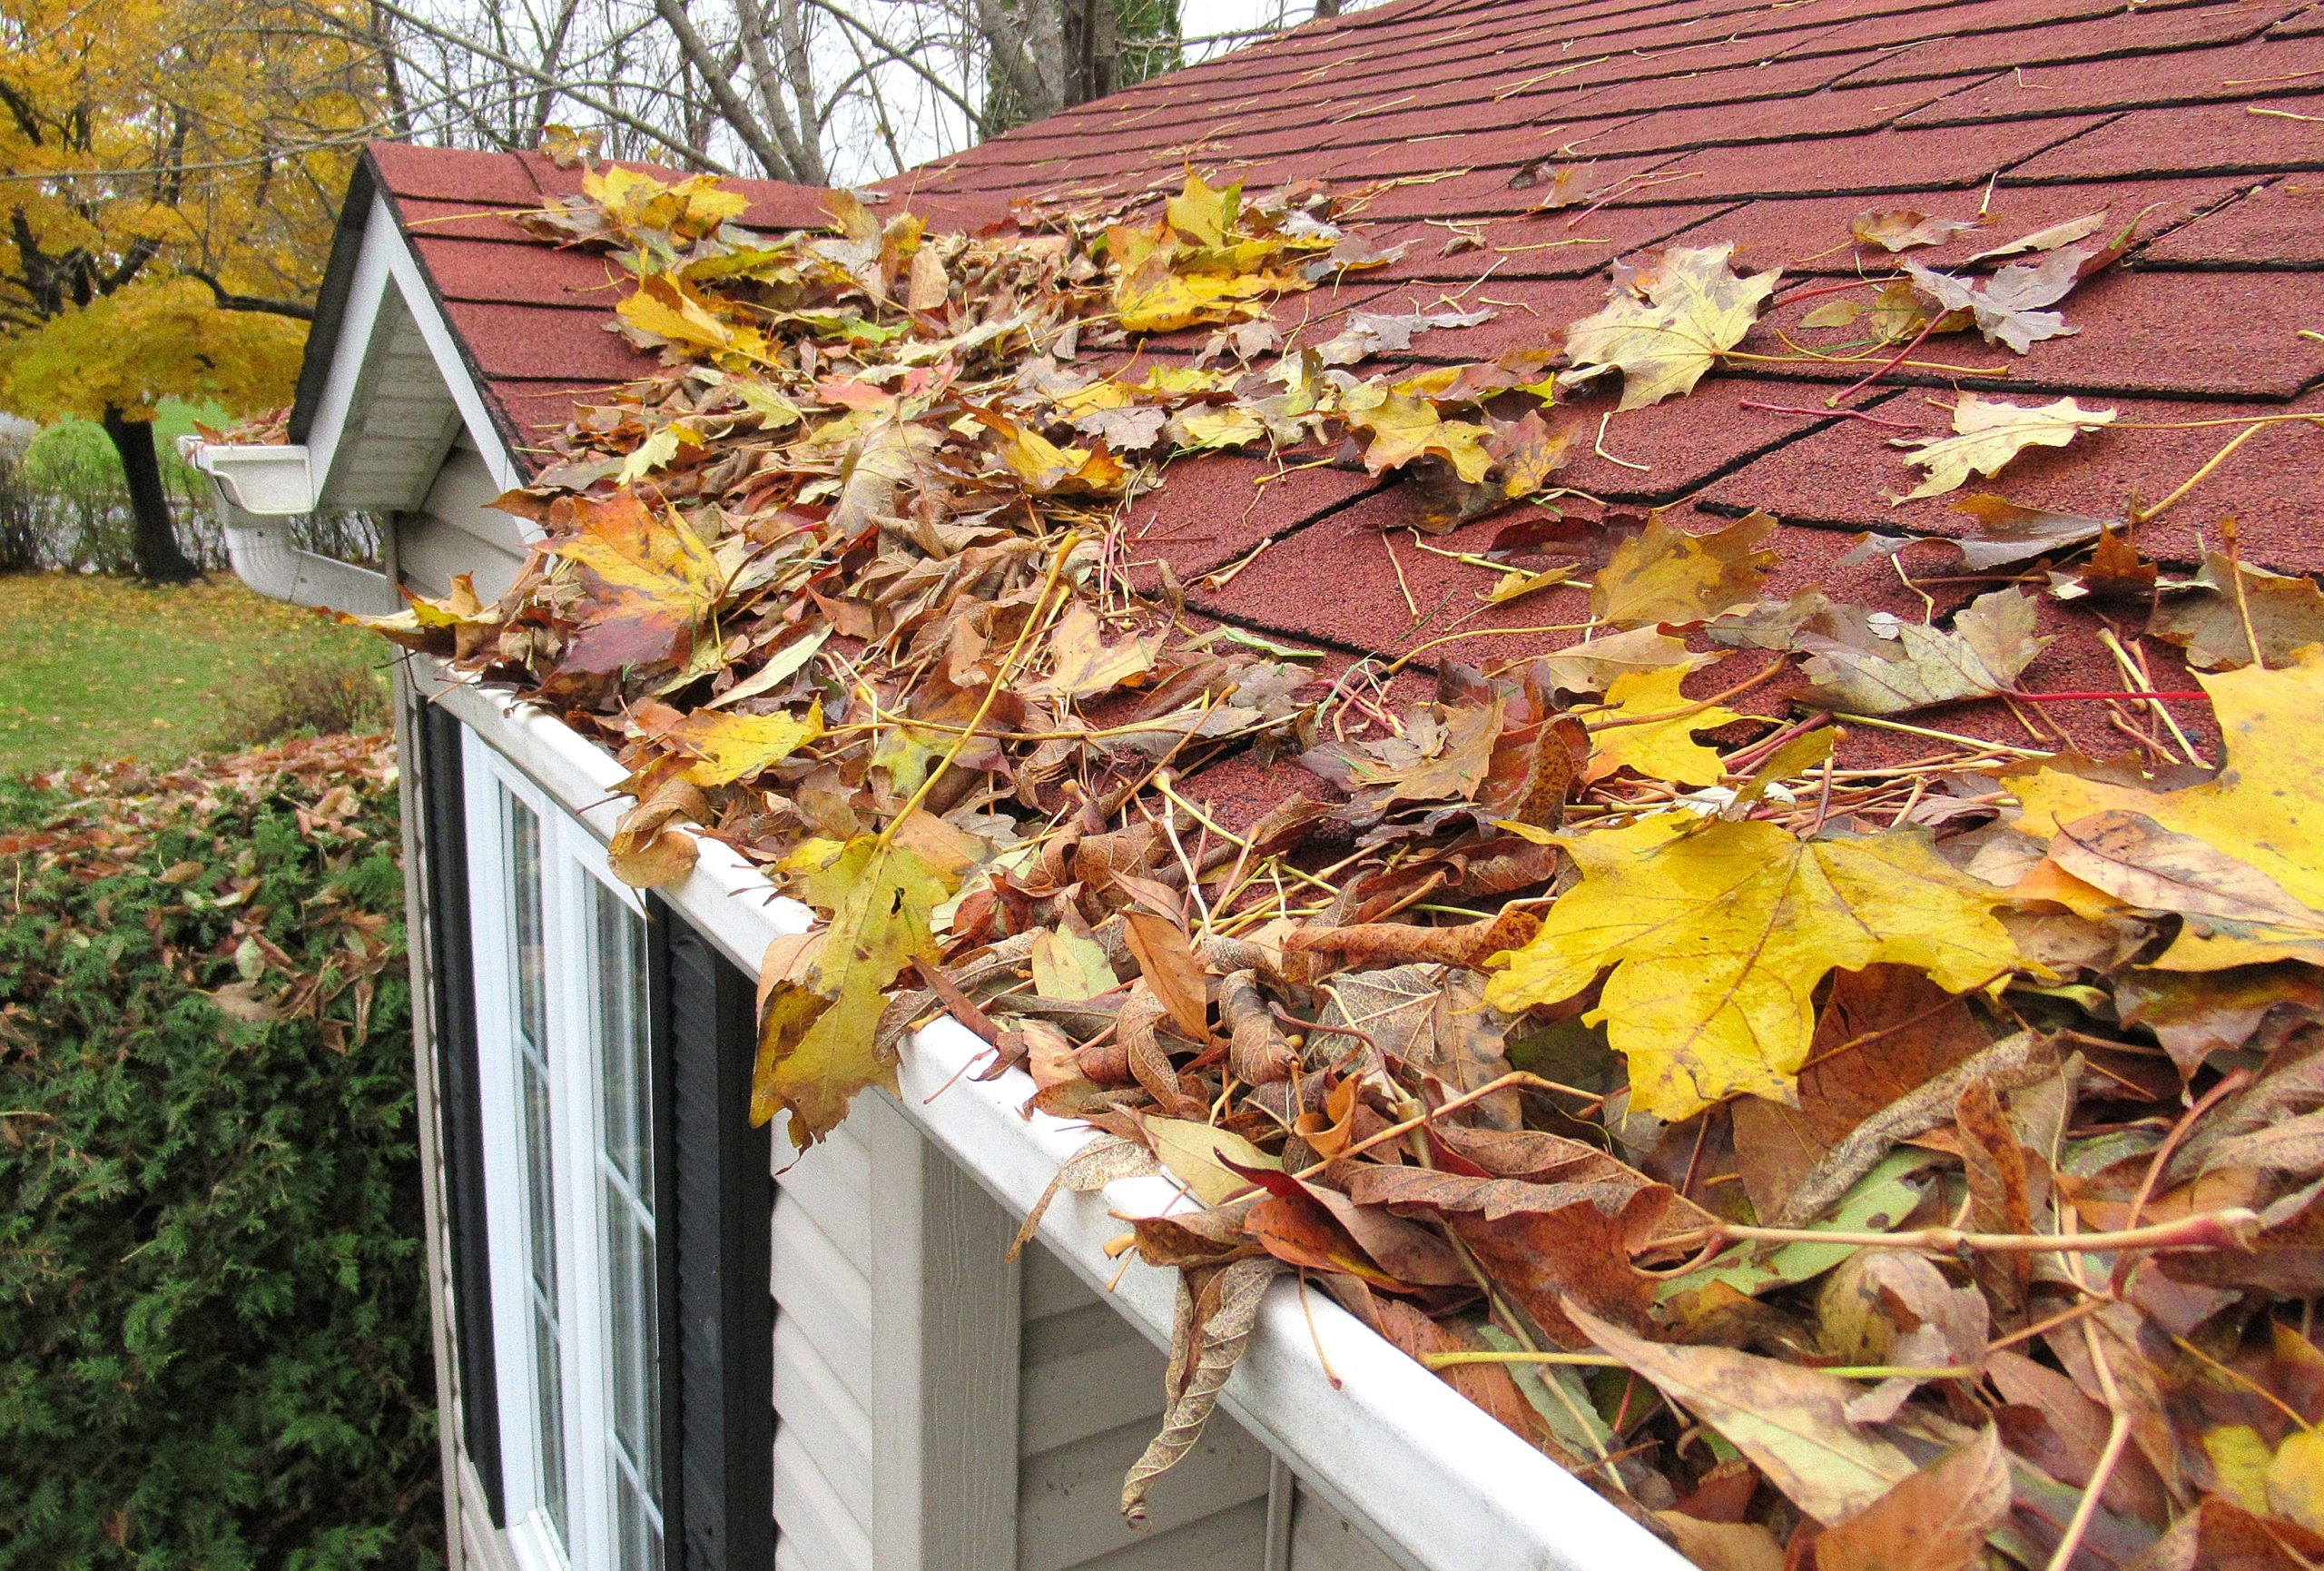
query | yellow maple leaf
(1156,299)
(647,581)
(1987,433)
(1717,934)
(2294,1483)
(674,311)
(817,1035)
(1659,749)
(469,619)
(723,748)
(1226,426)
(1204,215)
(1667,575)
(687,208)
(1405,429)
(1048,469)
(2265,809)
(1668,324)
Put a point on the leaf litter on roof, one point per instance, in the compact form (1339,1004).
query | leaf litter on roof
(1790,1150)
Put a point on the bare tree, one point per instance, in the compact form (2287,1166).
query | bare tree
(812,91)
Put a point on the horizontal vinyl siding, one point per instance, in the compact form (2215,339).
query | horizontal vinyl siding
(824,1359)
(1089,1399)
(1324,1540)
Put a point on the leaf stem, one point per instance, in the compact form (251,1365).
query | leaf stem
(2026,697)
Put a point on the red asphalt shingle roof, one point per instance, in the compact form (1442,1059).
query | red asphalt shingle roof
(1767,124)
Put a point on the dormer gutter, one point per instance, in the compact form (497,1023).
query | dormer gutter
(261,489)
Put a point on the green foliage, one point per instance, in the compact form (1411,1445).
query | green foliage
(215,1352)
(96,668)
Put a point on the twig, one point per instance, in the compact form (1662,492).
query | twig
(2118,1435)
(1514,1077)
(1878,371)
(2231,1228)
(2228,533)
(1599,447)
(1697,708)
(2149,514)
(2109,697)
(1603,1362)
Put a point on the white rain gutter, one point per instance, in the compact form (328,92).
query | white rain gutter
(259,489)
(1441,1486)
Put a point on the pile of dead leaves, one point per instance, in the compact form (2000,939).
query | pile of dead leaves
(1836,1167)
(103,826)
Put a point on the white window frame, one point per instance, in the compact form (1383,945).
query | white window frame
(573,867)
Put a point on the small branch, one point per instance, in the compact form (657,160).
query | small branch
(2231,1229)
(2117,1436)
(1878,371)
(227,299)
(1602,1362)
(2112,698)
(1697,708)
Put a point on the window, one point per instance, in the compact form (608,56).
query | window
(572,1110)
(620,1233)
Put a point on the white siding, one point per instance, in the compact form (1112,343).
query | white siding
(457,530)
(1090,1397)
(1324,1540)
(824,1358)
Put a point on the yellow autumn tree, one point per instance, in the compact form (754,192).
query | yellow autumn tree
(170,171)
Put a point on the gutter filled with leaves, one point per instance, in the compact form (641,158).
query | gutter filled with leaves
(1824,1163)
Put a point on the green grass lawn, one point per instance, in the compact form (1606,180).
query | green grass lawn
(94,667)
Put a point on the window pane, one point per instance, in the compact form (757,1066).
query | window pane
(637,1533)
(539,1158)
(625,1167)
(524,886)
(628,1077)
(540,1211)
(548,1367)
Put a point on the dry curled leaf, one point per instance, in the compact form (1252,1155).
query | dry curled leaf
(2215,614)
(1792,1422)
(1987,433)
(1903,228)
(1219,1306)
(1992,642)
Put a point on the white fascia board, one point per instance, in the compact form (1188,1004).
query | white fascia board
(386,260)
(1442,1484)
